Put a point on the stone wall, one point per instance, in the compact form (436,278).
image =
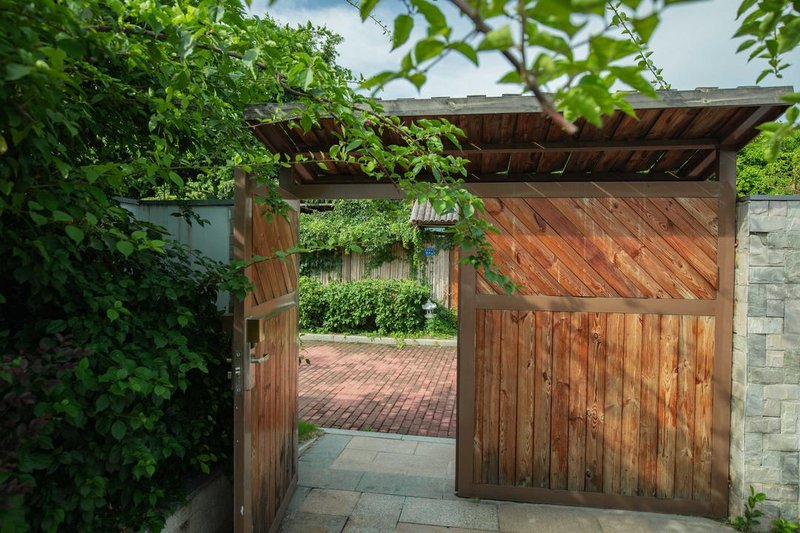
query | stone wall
(765,431)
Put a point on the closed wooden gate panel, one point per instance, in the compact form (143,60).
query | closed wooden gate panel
(265,360)
(594,383)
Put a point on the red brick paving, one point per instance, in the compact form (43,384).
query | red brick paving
(409,390)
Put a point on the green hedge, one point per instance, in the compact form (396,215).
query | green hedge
(385,307)
(105,357)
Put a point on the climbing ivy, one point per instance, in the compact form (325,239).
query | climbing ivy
(371,227)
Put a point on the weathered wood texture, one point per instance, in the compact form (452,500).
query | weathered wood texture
(575,401)
(274,422)
(605,404)
(606,247)
(272,233)
(510,138)
(265,372)
(274,378)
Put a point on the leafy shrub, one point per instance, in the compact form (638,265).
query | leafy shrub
(105,356)
(313,305)
(443,323)
(364,306)
(750,520)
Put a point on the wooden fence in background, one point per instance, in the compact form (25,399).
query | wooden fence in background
(437,272)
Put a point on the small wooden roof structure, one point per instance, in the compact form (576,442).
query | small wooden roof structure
(424,215)
(509,139)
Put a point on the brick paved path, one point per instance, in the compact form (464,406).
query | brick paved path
(409,390)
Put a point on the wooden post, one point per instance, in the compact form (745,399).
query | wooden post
(242,499)
(465,413)
(726,172)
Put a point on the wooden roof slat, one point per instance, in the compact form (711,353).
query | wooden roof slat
(508,138)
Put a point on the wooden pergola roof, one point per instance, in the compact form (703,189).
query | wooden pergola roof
(509,139)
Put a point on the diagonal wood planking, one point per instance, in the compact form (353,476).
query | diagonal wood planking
(608,247)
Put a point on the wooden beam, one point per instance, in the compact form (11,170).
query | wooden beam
(593,189)
(319,152)
(702,168)
(660,306)
(586,146)
(605,177)
(345,191)
(758,116)
(486,105)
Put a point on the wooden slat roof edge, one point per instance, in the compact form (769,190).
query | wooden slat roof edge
(487,105)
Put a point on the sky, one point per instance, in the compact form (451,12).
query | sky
(692,44)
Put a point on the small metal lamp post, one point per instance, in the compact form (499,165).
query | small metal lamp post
(428,307)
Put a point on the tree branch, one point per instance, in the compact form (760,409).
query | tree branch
(528,77)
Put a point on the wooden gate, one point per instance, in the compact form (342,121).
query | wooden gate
(265,363)
(605,380)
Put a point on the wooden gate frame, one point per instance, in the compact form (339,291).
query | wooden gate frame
(721,308)
(246,318)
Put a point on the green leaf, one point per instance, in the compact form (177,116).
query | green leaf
(499,39)
(60,216)
(792,98)
(118,429)
(427,49)
(15,71)
(112,314)
(645,26)
(433,15)
(403,25)
(3,145)
(465,50)
(125,247)
(365,8)
(74,233)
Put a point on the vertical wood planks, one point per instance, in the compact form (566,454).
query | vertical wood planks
(479,436)
(703,408)
(508,397)
(684,437)
(578,338)
(492,397)
(526,374)
(543,392)
(631,407)
(559,428)
(612,437)
(595,402)
(667,405)
(648,423)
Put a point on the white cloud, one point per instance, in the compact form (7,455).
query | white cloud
(693,45)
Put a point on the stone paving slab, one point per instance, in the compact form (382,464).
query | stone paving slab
(369,499)
(300,522)
(465,514)
(402,485)
(330,501)
(407,390)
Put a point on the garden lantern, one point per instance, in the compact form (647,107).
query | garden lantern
(428,307)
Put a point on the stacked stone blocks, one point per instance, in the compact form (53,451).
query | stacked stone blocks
(765,431)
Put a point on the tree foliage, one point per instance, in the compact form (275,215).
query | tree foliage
(577,50)
(757,174)
(371,227)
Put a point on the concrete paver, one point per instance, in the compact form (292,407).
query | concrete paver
(300,522)
(330,501)
(405,490)
(465,514)
(407,390)
(376,511)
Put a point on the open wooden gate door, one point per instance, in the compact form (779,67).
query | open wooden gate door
(606,380)
(265,350)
